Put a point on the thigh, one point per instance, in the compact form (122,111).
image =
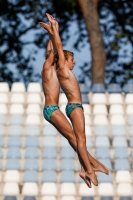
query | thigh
(78,121)
(61,123)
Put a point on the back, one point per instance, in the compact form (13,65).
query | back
(50,85)
(69,84)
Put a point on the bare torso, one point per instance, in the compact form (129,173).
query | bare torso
(69,85)
(51,86)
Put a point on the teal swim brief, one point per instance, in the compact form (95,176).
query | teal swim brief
(48,110)
(71,106)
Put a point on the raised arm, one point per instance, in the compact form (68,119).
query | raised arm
(48,27)
(57,42)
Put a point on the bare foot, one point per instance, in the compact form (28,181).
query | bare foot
(92,176)
(87,181)
(99,167)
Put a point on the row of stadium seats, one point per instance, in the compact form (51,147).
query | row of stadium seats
(96,88)
(51,152)
(36,162)
(37,109)
(68,189)
(34,119)
(65,198)
(94,98)
(32,164)
(47,130)
(121,176)
(34,141)
(65,152)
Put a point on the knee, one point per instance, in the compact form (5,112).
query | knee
(81,141)
(71,136)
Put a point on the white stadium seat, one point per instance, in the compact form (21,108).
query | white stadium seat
(30,189)
(34,87)
(100,109)
(100,120)
(49,189)
(105,189)
(62,108)
(18,87)
(3,109)
(67,189)
(12,176)
(88,130)
(116,110)
(87,109)
(34,98)
(129,99)
(115,99)
(68,198)
(63,99)
(48,198)
(88,120)
(3,98)
(117,120)
(33,119)
(124,189)
(33,109)
(85,191)
(129,110)
(123,176)
(99,99)
(11,189)
(4,87)
(16,109)
(17,98)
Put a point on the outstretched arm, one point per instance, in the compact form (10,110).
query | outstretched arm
(49,46)
(57,42)
(49,56)
(48,27)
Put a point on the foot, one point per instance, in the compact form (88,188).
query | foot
(88,178)
(99,167)
(92,176)
(87,181)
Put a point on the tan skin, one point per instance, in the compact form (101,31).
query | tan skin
(58,119)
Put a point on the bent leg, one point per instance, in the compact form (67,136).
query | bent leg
(60,122)
(78,122)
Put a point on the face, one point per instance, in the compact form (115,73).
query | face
(70,62)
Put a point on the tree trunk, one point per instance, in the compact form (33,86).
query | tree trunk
(90,13)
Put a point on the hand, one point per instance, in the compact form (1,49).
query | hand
(51,19)
(56,26)
(47,27)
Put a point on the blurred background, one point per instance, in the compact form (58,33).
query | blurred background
(36,162)
(98,32)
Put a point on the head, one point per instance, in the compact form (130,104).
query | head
(69,59)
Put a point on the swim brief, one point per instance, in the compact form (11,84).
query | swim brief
(71,106)
(48,110)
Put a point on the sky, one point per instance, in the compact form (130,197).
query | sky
(79,57)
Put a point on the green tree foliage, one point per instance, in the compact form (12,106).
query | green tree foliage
(20,18)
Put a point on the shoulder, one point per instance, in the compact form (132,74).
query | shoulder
(64,72)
